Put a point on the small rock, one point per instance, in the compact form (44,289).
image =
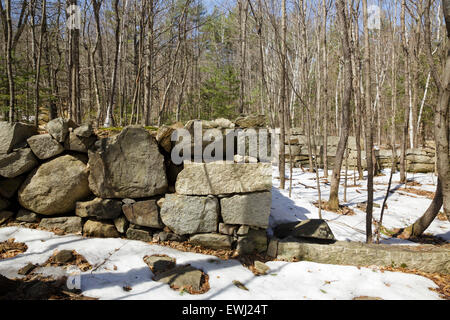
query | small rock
(212,240)
(227,229)
(27,216)
(100,229)
(78,144)
(183,277)
(159,263)
(311,228)
(65,224)
(138,234)
(99,208)
(84,130)
(128,201)
(261,268)
(160,202)
(121,224)
(59,128)
(254,242)
(27,269)
(143,213)
(63,256)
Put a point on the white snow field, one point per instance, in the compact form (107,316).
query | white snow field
(119,262)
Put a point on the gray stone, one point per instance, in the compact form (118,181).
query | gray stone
(189,215)
(183,277)
(64,224)
(27,216)
(121,224)
(311,228)
(160,263)
(12,135)
(164,135)
(211,240)
(59,128)
(5,215)
(55,187)
(63,256)
(138,234)
(84,130)
(44,146)
(100,229)
(428,258)
(8,187)
(254,242)
(17,163)
(251,209)
(223,178)
(143,213)
(261,267)
(99,208)
(78,144)
(127,165)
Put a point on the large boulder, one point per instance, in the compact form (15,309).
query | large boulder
(251,209)
(189,215)
(222,177)
(55,187)
(311,228)
(59,128)
(99,208)
(12,135)
(44,146)
(143,213)
(17,162)
(128,165)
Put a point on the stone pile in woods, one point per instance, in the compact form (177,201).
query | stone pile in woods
(71,181)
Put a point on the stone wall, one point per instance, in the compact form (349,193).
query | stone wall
(426,258)
(70,180)
(417,160)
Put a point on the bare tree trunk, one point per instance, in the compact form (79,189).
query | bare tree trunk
(38,63)
(9,61)
(407,97)
(369,133)
(282,161)
(333,201)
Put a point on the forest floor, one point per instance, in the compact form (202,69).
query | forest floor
(118,270)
